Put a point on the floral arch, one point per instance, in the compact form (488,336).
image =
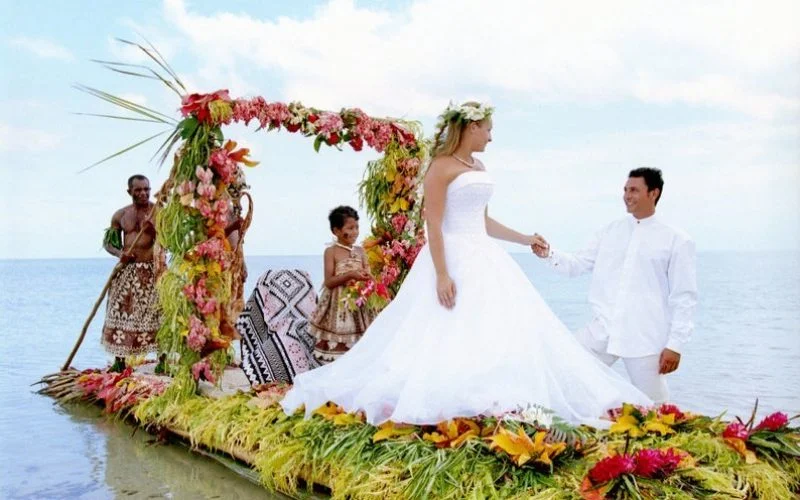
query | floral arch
(200,292)
(201,289)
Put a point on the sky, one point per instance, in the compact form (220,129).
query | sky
(709,92)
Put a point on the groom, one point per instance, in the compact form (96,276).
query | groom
(643,289)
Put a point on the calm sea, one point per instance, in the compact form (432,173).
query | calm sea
(746,346)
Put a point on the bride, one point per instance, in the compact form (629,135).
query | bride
(467,334)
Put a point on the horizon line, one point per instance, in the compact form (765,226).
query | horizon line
(729,250)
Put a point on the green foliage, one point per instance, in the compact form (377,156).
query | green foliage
(113,238)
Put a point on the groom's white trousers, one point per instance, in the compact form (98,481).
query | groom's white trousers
(642,371)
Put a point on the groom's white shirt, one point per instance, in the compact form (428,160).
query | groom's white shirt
(643,291)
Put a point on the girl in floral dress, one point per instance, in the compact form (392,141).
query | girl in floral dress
(335,325)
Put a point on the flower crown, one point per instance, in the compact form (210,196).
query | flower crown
(465,113)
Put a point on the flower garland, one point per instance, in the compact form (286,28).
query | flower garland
(464,113)
(196,291)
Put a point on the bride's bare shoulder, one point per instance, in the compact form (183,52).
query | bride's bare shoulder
(442,169)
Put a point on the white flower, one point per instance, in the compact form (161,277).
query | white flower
(531,414)
(464,112)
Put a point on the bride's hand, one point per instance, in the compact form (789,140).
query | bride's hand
(446,291)
(539,245)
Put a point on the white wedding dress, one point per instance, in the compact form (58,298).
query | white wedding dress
(499,348)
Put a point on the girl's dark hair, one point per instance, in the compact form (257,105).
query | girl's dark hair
(339,216)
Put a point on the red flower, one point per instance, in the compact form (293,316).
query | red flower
(736,430)
(656,463)
(357,143)
(670,460)
(293,127)
(667,409)
(312,118)
(333,139)
(774,422)
(611,468)
(197,104)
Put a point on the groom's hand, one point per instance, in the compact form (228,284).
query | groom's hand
(540,246)
(669,361)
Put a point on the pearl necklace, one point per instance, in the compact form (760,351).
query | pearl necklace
(470,165)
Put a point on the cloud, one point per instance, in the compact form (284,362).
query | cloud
(21,139)
(409,61)
(717,91)
(43,48)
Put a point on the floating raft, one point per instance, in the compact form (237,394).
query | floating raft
(658,453)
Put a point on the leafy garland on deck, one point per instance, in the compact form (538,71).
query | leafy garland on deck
(659,452)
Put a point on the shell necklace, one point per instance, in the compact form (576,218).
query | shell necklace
(352,249)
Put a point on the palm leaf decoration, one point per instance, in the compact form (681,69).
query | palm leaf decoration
(162,73)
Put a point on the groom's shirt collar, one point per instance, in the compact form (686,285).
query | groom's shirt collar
(643,222)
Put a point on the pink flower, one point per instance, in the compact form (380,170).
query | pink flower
(218,212)
(275,113)
(245,110)
(206,210)
(186,187)
(736,430)
(389,274)
(363,128)
(198,334)
(202,370)
(611,468)
(382,136)
(329,124)
(410,166)
(206,190)
(774,422)
(398,249)
(204,174)
(207,307)
(412,253)
(211,248)
(399,223)
(222,164)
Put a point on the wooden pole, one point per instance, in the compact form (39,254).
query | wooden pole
(114,272)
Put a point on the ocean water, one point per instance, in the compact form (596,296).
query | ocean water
(746,346)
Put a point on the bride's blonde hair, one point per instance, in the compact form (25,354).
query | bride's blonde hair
(452,124)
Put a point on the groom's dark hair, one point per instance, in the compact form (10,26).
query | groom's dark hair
(652,177)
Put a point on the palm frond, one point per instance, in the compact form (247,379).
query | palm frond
(143,141)
(117,117)
(156,56)
(129,105)
(154,75)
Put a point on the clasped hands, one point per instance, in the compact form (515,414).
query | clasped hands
(539,246)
